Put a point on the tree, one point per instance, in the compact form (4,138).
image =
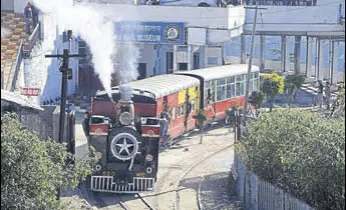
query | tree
(32,169)
(256,99)
(302,152)
(272,85)
(201,117)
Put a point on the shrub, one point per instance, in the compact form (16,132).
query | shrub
(32,169)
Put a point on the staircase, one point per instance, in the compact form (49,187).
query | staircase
(13,48)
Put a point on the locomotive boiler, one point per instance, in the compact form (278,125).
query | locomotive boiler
(127,147)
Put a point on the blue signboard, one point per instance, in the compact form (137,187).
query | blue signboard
(150,32)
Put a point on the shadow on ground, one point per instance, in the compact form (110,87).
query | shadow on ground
(215,191)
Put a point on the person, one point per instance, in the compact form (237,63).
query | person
(34,12)
(328,95)
(27,16)
(320,93)
(85,125)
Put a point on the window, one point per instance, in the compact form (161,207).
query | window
(254,82)
(230,90)
(240,85)
(209,92)
(230,87)
(181,110)
(169,62)
(182,66)
(173,114)
(221,93)
(193,105)
(196,61)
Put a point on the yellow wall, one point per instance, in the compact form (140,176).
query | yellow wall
(193,93)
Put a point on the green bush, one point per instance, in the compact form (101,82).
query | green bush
(302,152)
(32,169)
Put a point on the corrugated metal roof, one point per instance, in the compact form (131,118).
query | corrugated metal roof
(220,71)
(163,85)
(18,99)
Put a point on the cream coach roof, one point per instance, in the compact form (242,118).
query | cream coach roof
(220,71)
(163,85)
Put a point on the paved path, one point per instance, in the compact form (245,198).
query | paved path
(81,140)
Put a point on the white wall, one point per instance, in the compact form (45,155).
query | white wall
(294,19)
(44,72)
(208,17)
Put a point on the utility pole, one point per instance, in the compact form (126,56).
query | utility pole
(248,79)
(66,74)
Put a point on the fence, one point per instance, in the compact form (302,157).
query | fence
(260,195)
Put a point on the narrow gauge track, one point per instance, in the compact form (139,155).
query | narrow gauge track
(187,171)
(100,202)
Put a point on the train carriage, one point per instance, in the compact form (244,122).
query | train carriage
(126,129)
(222,87)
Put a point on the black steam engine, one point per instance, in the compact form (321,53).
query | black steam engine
(126,148)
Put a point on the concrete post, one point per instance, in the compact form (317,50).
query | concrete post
(206,64)
(262,61)
(335,66)
(297,46)
(320,60)
(288,56)
(189,57)
(283,53)
(309,70)
(175,63)
(242,49)
(241,173)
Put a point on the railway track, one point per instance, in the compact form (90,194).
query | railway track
(187,171)
(154,201)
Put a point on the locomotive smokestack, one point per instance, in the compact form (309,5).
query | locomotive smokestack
(125,92)
(126,105)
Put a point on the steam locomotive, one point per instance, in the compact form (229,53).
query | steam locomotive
(127,148)
(126,128)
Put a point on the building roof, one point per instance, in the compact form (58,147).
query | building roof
(164,85)
(18,99)
(220,71)
(161,85)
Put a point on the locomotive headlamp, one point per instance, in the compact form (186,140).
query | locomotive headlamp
(149,170)
(149,157)
(98,167)
(125,118)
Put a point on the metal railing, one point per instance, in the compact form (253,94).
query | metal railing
(15,70)
(35,35)
(22,53)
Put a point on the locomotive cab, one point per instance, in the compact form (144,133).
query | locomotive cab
(127,151)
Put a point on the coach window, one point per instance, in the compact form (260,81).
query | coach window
(221,89)
(256,81)
(230,87)
(209,93)
(240,84)
(173,113)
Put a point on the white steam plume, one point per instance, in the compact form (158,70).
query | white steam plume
(91,26)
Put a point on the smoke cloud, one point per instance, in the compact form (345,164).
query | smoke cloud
(92,27)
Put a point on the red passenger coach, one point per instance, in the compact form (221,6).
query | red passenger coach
(173,97)
(222,87)
(126,130)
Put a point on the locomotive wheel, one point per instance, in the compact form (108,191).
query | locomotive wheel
(124,143)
